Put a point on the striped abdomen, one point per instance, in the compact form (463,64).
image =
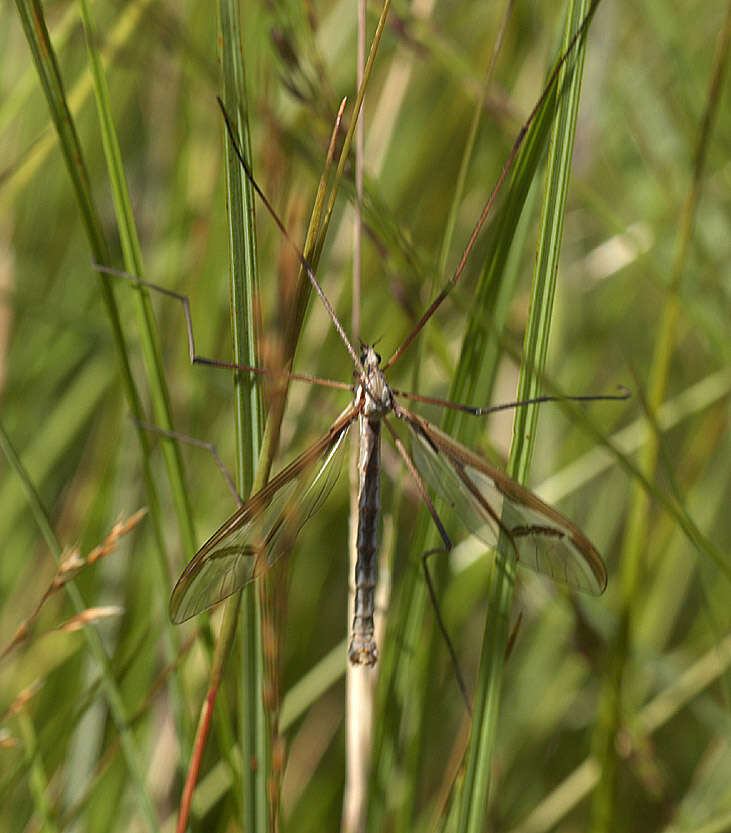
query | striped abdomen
(363,649)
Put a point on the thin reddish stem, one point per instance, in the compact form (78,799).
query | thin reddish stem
(199,746)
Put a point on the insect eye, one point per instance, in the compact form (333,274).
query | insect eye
(378,358)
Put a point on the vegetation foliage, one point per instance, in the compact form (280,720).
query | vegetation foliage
(614,711)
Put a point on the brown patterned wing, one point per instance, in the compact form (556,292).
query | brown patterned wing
(487,500)
(264,528)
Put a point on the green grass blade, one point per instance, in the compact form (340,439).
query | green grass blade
(34,24)
(152,353)
(79,91)
(132,256)
(31,15)
(254,731)
(487,700)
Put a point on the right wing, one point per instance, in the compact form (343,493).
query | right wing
(488,501)
(263,528)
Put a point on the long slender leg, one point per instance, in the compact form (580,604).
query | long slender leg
(195,358)
(504,406)
(210,447)
(425,556)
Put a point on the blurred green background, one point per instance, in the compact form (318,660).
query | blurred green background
(644,300)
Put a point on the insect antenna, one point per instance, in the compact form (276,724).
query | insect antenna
(452,282)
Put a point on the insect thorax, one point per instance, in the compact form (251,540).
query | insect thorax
(373,390)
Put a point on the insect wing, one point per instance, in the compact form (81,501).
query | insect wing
(263,529)
(486,500)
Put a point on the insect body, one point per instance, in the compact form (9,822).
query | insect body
(488,502)
(375,400)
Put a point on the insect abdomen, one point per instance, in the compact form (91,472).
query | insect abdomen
(363,650)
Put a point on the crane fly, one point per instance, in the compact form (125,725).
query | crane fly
(488,502)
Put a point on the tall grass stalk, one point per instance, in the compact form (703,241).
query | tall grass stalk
(535,348)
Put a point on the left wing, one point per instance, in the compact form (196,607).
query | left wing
(264,528)
(487,500)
